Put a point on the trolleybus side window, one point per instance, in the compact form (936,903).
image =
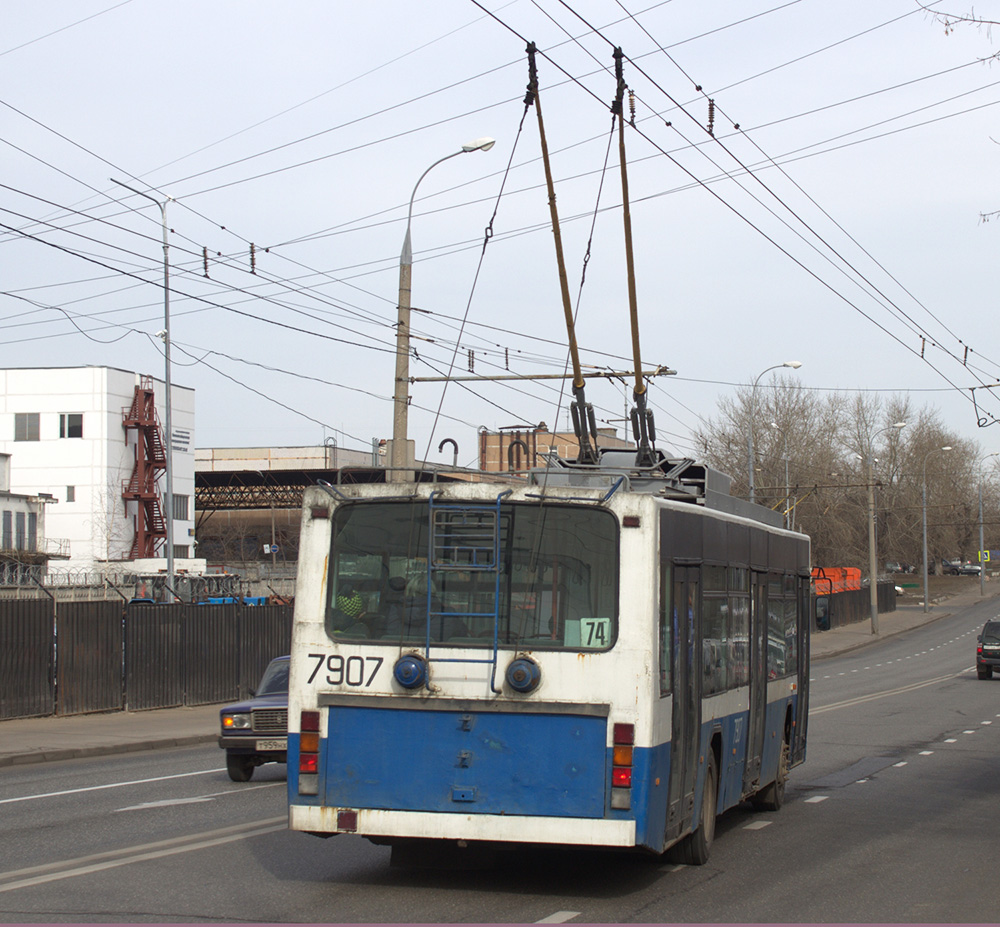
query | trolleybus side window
(666,588)
(739,627)
(554,586)
(782,626)
(714,643)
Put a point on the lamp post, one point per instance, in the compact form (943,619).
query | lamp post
(872,550)
(982,560)
(398,459)
(753,393)
(784,442)
(168,493)
(946,447)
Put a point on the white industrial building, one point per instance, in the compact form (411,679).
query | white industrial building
(74,433)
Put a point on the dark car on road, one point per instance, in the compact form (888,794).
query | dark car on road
(988,649)
(255,732)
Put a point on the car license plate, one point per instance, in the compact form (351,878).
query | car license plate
(277,743)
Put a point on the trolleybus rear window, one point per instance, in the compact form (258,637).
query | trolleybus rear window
(552,585)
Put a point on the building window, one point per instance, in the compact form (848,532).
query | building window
(25,426)
(19,531)
(180,507)
(32,531)
(8,531)
(71,494)
(71,425)
(180,551)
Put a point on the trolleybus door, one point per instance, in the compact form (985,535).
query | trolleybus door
(686,719)
(758,681)
(804,618)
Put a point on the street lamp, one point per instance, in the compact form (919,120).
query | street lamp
(982,559)
(753,393)
(168,493)
(784,440)
(872,554)
(399,457)
(946,447)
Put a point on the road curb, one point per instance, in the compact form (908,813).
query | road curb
(875,639)
(72,753)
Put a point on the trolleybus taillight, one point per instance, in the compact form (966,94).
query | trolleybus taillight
(309,753)
(623,739)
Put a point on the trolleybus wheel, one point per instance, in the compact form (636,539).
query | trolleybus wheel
(239,767)
(772,797)
(694,849)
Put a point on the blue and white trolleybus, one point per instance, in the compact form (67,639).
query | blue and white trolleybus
(603,655)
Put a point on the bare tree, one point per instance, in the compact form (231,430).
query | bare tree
(827,443)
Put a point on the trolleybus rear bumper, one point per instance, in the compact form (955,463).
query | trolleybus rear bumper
(508,828)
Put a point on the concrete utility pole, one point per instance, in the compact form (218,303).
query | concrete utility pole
(399,459)
(947,447)
(982,552)
(872,541)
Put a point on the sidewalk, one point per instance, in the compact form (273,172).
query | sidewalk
(37,740)
(904,618)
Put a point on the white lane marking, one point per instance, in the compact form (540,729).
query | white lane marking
(968,732)
(110,785)
(88,864)
(985,722)
(901,763)
(757,825)
(951,740)
(926,752)
(194,799)
(877,695)
(560,917)
(815,799)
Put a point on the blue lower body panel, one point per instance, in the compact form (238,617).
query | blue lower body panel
(450,761)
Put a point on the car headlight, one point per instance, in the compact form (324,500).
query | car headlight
(236,722)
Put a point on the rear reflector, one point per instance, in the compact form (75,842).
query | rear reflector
(624,734)
(347,820)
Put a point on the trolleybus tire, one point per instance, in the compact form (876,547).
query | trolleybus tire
(695,848)
(239,767)
(772,797)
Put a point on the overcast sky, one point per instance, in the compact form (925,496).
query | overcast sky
(839,225)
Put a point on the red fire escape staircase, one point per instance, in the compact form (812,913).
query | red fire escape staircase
(150,460)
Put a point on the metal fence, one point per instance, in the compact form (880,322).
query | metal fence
(76,657)
(842,608)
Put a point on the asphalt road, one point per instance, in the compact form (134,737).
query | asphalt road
(891,819)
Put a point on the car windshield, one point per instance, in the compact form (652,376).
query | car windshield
(991,633)
(275,679)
